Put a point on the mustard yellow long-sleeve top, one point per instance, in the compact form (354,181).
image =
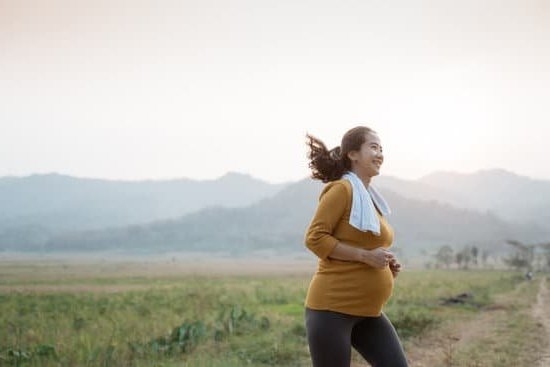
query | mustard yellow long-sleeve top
(348,287)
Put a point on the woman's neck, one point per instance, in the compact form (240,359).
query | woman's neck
(363,178)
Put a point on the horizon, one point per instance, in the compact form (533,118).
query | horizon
(195,89)
(493,170)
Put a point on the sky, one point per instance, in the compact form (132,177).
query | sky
(153,89)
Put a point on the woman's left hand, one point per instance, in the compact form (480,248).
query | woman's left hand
(395,267)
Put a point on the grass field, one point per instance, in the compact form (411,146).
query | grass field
(122,314)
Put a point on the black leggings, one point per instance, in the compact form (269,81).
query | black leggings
(332,334)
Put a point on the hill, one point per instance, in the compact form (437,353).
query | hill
(237,214)
(36,207)
(277,224)
(513,197)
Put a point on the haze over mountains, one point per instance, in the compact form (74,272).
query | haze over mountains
(238,214)
(60,203)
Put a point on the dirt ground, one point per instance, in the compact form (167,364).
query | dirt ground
(541,312)
(437,348)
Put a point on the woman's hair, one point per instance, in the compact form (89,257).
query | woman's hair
(329,165)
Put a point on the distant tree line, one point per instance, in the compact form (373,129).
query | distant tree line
(464,258)
(527,257)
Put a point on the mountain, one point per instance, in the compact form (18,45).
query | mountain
(418,190)
(237,214)
(54,203)
(515,198)
(273,223)
(278,223)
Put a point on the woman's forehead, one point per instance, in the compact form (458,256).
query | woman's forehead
(372,138)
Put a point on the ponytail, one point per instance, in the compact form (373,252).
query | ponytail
(329,165)
(326,165)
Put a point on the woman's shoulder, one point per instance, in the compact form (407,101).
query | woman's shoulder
(338,187)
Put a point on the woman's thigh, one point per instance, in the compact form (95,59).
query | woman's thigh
(377,341)
(329,337)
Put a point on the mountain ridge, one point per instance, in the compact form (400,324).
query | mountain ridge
(426,214)
(61,202)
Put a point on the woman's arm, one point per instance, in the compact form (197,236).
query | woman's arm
(377,258)
(331,208)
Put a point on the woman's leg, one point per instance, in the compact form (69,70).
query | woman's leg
(376,340)
(329,337)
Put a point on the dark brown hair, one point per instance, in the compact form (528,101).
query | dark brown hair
(329,165)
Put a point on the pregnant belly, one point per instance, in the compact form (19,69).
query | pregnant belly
(359,290)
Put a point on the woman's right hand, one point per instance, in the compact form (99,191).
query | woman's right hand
(377,258)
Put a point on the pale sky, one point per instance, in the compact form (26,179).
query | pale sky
(149,89)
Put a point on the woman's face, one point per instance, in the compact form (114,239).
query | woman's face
(367,161)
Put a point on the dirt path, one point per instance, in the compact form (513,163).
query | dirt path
(541,312)
(439,347)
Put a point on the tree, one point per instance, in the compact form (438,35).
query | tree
(523,257)
(445,255)
(484,257)
(463,257)
(459,257)
(544,258)
(475,253)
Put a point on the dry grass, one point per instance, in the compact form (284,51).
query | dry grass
(507,329)
(33,273)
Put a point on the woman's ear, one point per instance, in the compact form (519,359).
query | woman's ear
(353,155)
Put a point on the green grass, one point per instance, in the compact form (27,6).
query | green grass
(203,320)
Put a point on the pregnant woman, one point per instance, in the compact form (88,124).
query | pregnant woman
(351,237)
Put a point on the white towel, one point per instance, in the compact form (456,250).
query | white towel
(363,213)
